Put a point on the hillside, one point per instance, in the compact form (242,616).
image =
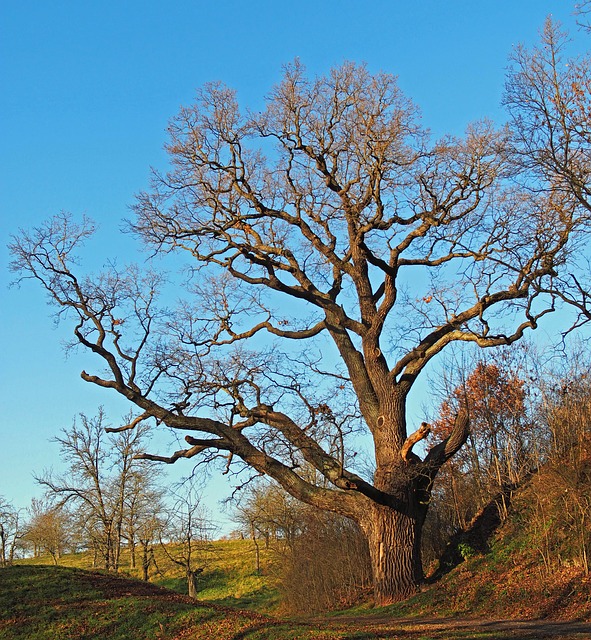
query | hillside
(229,576)
(42,602)
(531,578)
(58,603)
(531,565)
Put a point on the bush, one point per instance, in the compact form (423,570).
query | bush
(327,566)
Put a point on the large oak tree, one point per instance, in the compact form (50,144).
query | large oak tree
(335,252)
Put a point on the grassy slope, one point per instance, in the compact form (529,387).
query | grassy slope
(508,581)
(42,602)
(229,577)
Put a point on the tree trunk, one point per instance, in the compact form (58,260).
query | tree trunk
(257,551)
(133,559)
(394,534)
(192,583)
(145,560)
(395,548)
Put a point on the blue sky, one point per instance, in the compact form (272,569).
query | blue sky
(87,88)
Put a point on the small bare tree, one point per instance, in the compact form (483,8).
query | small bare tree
(188,534)
(11,531)
(149,531)
(142,516)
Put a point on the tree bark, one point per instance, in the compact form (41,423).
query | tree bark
(145,564)
(394,528)
(394,543)
(192,581)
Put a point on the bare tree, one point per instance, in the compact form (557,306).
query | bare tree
(336,252)
(49,529)
(135,497)
(11,531)
(142,515)
(188,534)
(582,12)
(149,531)
(103,476)
(266,511)
(548,96)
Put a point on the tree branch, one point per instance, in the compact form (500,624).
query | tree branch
(420,434)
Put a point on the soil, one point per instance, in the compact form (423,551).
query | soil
(465,628)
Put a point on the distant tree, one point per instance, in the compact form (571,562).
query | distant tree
(142,515)
(267,511)
(137,498)
(149,530)
(337,251)
(187,534)
(102,478)
(49,529)
(564,408)
(11,531)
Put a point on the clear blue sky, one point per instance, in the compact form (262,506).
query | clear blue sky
(87,88)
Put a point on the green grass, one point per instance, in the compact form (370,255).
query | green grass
(59,603)
(229,577)
(64,603)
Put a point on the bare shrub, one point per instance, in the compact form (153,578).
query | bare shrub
(327,567)
(558,498)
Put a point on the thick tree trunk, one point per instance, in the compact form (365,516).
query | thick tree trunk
(394,532)
(395,547)
(393,525)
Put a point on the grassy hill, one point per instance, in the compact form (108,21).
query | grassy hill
(493,571)
(229,576)
(61,603)
(43,602)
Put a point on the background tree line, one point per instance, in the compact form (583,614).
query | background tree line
(109,503)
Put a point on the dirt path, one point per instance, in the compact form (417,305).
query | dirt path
(458,629)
